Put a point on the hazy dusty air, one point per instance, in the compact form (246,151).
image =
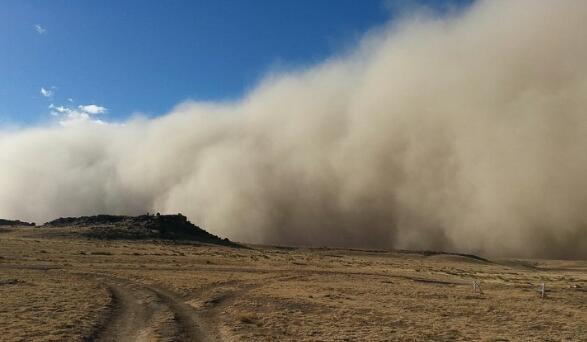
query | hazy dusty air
(465,132)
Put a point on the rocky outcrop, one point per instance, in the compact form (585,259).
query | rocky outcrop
(167,227)
(15,223)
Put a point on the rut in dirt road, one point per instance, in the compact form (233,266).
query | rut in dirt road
(146,313)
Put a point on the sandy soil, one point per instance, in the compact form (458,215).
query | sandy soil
(54,287)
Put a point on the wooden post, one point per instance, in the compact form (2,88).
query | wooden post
(477,287)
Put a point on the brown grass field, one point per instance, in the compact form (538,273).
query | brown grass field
(55,287)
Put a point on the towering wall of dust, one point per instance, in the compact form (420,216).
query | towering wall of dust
(466,132)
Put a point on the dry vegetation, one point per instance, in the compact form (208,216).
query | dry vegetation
(54,287)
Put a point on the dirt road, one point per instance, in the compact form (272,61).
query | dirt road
(146,313)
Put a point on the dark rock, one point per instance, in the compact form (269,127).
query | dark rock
(166,227)
(15,223)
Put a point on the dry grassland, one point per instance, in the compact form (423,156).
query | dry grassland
(54,287)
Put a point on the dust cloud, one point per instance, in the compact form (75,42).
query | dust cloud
(464,131)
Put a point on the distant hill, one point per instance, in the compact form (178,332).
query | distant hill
(15,223)
(167,227)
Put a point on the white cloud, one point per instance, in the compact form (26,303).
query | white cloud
(75,116)
(56,110)
(69,116)
(47,92)
(40,29)
(79,118)
(93,109)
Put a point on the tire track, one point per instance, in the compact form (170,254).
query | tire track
(128,317)
(145,313)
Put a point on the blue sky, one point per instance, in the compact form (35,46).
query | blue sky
(147,56)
